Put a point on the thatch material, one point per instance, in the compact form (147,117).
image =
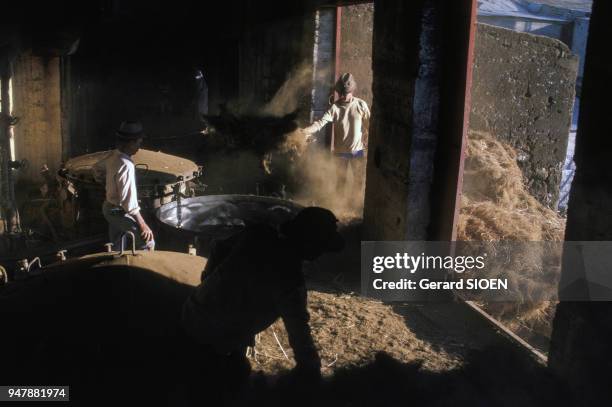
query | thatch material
(348,331)
(495,203)
(496,206)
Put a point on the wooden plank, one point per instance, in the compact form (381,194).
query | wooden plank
(38,136)
(508,333)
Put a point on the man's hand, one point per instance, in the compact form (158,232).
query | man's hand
(309,137)
(145,230)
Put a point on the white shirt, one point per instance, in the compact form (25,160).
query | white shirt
(118,170)
(348,121)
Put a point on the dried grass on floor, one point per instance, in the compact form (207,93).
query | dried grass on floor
(497,206)
(348,331)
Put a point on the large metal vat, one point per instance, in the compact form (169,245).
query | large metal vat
(103,318)
(212,217)
(159,177)
(110,278)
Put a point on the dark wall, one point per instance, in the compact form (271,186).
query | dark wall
(403,129)
(126,69)
(582,333)
(274,51)
(523,93)
(420,63)
(143,67)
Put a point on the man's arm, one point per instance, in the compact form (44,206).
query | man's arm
(295,317)
(365,110)
(126,184)
(365,129)
(328,117)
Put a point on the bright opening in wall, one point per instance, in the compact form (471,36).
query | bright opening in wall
(11,131)
(342,43)
(525,93)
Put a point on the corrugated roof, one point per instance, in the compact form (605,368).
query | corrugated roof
(501,6)
(578,5)
(559,10)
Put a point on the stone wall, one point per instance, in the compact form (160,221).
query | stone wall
(401,142)
(523,93)
(356,46)
(324,58)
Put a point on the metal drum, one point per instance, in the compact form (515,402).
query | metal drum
(159,177)
(144,290)
(107,312)
(211,217)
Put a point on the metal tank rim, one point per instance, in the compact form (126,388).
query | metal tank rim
(222,198)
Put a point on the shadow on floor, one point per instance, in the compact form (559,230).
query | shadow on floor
(491,377)
(495,376)
(113,336)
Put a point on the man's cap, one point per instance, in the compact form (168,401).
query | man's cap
(318,225)
(346,84)
(130,130)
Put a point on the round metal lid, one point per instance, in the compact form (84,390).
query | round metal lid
(152,167)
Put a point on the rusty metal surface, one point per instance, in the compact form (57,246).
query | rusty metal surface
(135,300)
(152,167)
(466,116)
(179,267)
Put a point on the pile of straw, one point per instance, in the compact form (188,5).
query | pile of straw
(495,203)
(496,206)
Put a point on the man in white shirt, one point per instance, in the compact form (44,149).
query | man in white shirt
(347,115)
(120,208)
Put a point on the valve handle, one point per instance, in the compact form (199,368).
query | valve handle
(61,255)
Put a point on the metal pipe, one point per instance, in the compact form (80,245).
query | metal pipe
(7,190)
(3,276)
(130,234)
(76,244)
(34,260)
(178,196)
(61,255)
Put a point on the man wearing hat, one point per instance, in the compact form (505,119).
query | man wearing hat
(347,115)
(250,280)
(117,170)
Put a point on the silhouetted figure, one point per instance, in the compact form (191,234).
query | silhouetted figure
(250,280)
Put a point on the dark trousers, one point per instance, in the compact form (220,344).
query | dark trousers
(356,161)
(220,378)
(120,222)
